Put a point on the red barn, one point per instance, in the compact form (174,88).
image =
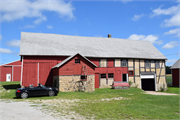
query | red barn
(67,61)
(11,71)
(175,73)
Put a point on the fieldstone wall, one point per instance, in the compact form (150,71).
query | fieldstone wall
(73,83)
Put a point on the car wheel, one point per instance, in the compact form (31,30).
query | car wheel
(24,95)
(51,93)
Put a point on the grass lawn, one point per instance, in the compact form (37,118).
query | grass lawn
(102,104)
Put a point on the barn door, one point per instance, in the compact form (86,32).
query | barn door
(8,77)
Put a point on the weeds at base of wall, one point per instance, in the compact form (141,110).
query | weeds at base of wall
(130,83)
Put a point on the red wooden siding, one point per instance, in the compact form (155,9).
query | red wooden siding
(30,74)
(4,71)
(95,61)
(31,64)
(175,77)
(16,73)
(110,62)
(96,80)
(7,69)
(118,71)
(72,68)
(14,63)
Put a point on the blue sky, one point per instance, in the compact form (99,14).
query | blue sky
(154,21)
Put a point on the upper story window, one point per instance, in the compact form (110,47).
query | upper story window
(124,63)
(110,75)
(117,63)
(77,60)
(103,63)
(157,64)
(147,64)
(103,75)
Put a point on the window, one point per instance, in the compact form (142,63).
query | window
(117,63)
(103,75)
(103,63)
(110,75)
(77,60)
(83,76)
(124,63)
(157,64)
(124,78)
(131,73)
(147,64)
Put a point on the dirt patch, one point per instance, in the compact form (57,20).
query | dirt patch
(159,93)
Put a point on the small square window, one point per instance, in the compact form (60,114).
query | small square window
(77,60)
(130,72)
(110,75)
(103,75)
(83,76)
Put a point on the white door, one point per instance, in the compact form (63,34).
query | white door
(8,77)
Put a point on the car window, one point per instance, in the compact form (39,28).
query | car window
(43,86)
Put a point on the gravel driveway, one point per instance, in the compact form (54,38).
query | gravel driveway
(159,93)
(10,110)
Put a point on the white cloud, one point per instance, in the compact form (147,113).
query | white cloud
(49,26)
(150,38)
(174,31)
(0,37)
(137,17)
(171,60)
(173,12)
(170,45)
(19,9)
(3,50)
(14,43)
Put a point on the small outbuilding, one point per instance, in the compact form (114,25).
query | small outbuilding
(175,73)
(11,71)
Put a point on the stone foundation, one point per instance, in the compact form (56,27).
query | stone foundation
(73,83)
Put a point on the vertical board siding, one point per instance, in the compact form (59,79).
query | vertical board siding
(96,80)
(29,74)
(14,63)
(175,77)
(4,71)
(110,63)
(72,68)
(30,69)
(95,61)
(7,69)
(17,73)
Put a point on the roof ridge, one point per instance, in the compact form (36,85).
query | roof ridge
(86,36)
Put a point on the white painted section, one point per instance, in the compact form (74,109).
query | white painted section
(155,82)
(127,77)
(38,74)
(8,77)
(147,76)
(22,70)
(12,72)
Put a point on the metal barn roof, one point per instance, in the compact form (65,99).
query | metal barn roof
(176,65)
(66,45)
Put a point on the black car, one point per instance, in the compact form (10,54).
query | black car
(40,90)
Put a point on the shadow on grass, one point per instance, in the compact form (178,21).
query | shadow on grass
(12,86)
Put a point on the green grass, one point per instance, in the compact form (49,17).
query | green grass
(168,79)
(135,105)
(175,90)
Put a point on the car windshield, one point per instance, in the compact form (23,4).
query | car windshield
(42,86)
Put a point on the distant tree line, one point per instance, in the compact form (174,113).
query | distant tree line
(168,70)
